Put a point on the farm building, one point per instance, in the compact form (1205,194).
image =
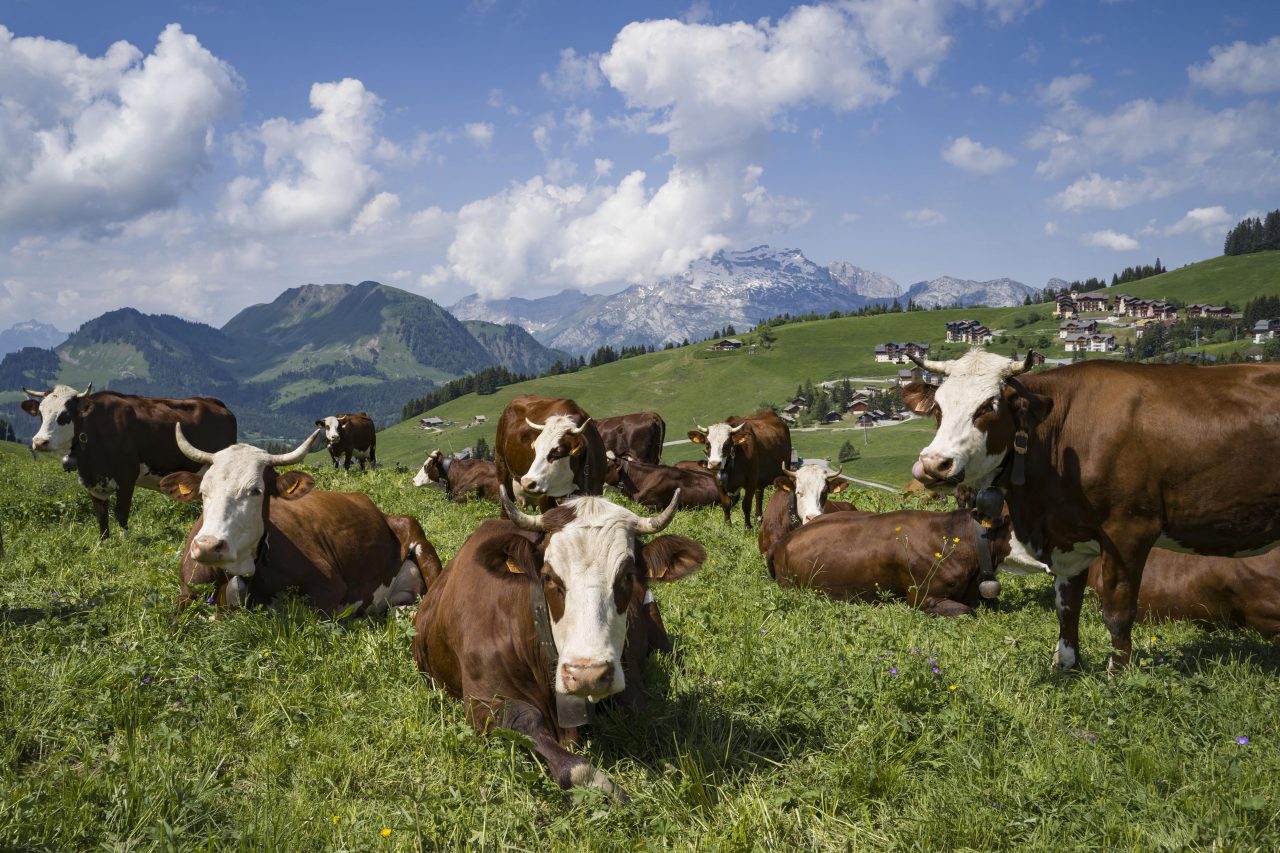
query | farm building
(1264,329)
(726,344)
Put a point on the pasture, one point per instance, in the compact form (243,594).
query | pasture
(787,722)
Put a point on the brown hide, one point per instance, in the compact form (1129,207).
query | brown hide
(336,548)
(641,434)
(756,460)
(513,444)
(1212,591)
(778,521)
(654,485)
(861,556)
(466,478)
(356,433)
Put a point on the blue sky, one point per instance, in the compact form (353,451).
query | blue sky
(197,158)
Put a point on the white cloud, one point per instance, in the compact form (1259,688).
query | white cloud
(380,210)
(980,91)
(480,133)
(925,217)
(604,167)
(971,156)
(699,12)
(1007,11)
(94,142)
(1209,223)
(1064,90)
(1253,69)
(1109,239)
(575,75)
(1051,228)
(1095,191)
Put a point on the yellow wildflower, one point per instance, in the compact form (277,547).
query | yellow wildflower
(953,687)
(386,833)
(897,530)
(955,539)
(334,820)
(937,553)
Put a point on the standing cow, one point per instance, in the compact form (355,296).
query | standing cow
(1104,459)
(546,449)
(538,616)
(746,453)
(641,434)
(262,532)
(116,442)
(351,435)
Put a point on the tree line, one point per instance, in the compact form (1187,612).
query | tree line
(1254,235)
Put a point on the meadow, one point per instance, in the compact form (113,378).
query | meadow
(787,722)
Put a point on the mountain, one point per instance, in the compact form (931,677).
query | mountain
(996,293)
(544,318)
(864,282)
(513,347)
(31,333)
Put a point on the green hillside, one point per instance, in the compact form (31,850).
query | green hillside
(1233,279)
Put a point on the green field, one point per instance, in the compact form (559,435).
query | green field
(781,726)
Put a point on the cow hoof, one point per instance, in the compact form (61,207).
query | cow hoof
(1064,659)
(586,776)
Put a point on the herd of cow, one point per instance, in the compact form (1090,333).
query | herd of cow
(1078,471)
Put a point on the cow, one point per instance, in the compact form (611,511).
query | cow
(654,485)
(461,479)
(800,497)
(693,465)
(117,442)
(1241,592)
(348,435)
(546,449)
(932,560)
(747,454)
(262,532)
(538,615)
(641,434)
(1103,459)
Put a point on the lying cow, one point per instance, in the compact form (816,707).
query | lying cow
(546,449)
(861,556)
(583,569)
(801,496)
(655,485)
(641,434)
(461,479)
(1213,591)
(351,435)
(117,442)
(746,454)
(263,532)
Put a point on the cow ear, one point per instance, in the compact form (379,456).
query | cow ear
(1028,408)
(837,487)
(918,397)
(320,424)
(182,486)
(741,438)
(31,407)
(670,558)
(513,555)
(697,437)
(292,485)
(784,482)
(80,406)
(576,443)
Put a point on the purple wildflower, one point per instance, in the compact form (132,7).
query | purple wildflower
(1242,740)
(196,679)
(933,661)
(937,671)
(146,679)
(209,600)
(893,670)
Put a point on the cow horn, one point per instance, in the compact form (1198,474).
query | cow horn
(836,473)
(1016,366)
(701,428)
(39,395)
(738,427)
(789,473)
(293,456)
(930,365)
(87,391)
(189,450)
(655,523)
(578,430)
(519,519)
(610,455)
(535,427)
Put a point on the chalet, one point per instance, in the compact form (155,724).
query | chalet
(787,416)
(968,332)
(1264,329)
(832,417)
(894,352)
(1066,308)
(916,374)
(1077,327)
(1090,301)
(792,409)
(1201,310)
(726,344)
(1141,326)
(1090,343)
(428,423)
(1130,306)
(857,407)
(1037,358)
(865,420)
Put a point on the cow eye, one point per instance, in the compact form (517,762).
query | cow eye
(986,408)
(255,491)
(64,418)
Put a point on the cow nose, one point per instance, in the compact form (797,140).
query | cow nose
(590,679)
(39,444)
(209,548)
(531,486)
(938,467)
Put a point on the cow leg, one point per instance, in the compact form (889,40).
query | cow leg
(946,607)
(1068,596)
(124,506)
(746,507)
(346,461)
(567,769)
(1121,577)
(100,513)
(373,459)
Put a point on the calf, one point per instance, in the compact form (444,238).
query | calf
(547,449)
(117,442)
(801,496)
(535,617)
(930,559)
(351,435)
(641,434)
(746,454)
(461,479)
(655,485)
(263,532)
(1213,591)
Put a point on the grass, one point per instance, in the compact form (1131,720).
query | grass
(780,728)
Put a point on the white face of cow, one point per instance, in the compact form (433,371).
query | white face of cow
(423,477)
(958,452)
(330,427)
(551,472)
(56,430)
(719,439)
(811,485)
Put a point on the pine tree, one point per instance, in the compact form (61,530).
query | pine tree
(848,452)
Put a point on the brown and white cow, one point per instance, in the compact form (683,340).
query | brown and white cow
(548,448)
(262,532)
(929,559)
(583,567)
(348,435)
(746,454)
(641,434)
(461,479)
(801,496)
(654,485)
(1112,460)
(1242,592)
(117,442)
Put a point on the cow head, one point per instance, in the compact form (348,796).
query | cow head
(555,443)
(332,427)
(718,441)
(56,431)
(975,411)
(235,492)
(433,471)
(612,468)
(812,484)
(589,564)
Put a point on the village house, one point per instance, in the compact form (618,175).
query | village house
(1131,306)
(894,352)
(726,344)
(1202,310)
(428,423)
(1090,343)
(866,420)
(1090,301)
(917,374)
(1264,329)
(1077,327)
(968,332)
(1065,308)
(831,417)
